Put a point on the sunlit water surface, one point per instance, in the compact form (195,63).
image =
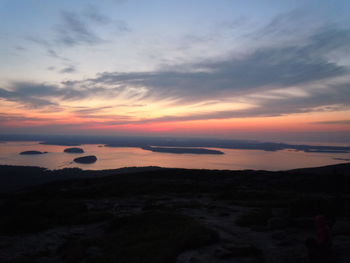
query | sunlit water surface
(115,157)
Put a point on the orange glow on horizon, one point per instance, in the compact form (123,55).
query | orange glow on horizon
(107,120)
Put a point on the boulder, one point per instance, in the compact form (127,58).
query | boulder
(341,228)
(278,223)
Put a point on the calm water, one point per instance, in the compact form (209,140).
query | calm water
(111,158)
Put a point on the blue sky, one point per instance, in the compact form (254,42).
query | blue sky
(183,61)
(139,35)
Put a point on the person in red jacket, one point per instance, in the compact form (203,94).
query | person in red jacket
(319,249)
(323,232)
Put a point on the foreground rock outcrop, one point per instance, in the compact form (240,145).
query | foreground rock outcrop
(162,215)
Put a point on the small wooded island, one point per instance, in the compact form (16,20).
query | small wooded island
(86,159)
(181,150)
(74,150)
(31,152)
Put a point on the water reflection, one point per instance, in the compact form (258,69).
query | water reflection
(111,158)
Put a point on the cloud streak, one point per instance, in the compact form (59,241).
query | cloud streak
(341,122)
(263,69)
(74,30)
(68,69)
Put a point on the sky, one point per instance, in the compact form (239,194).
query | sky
(265,70)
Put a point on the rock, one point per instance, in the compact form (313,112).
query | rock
(222,253)
(277,223)
(86,159)
(341,228)
(224,214)
(73,150)
(31,152)
(259,228)
(243,251)
(73,251)
(93,252)
(278,235)
(194,259)
(304,222)
(46,259)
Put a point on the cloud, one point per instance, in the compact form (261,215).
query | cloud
(263,69)
(20,118)
(52,53)
(332,99)
(74,30)
(306,65)
(119,1)
(36,95)
(39,41)
(32,101)
(121,26)
(341,122)
(83,110)
(20,48)
(92,13)
(69,69)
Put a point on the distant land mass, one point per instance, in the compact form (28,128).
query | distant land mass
(326,151)
(342,159)
(182,150)
(31,152)
(146,142)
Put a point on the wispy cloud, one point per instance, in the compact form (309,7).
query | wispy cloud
(20,118)
(264,69)
(52,53)
(341,122)
(68,69)
(38,95)
(92,13)
(20,48)
(74,30)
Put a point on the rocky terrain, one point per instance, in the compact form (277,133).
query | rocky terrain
(172,215)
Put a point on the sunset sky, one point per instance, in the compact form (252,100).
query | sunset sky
(266,70)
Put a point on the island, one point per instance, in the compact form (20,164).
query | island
(74,150)
(31,152)
(86,159)
(181,150)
